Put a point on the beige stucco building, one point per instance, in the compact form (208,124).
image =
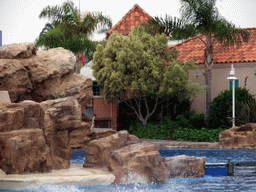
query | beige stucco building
(243,59)
(220,73)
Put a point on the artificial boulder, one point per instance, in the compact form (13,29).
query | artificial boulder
(79,137)
(239,137)
(186,166)
(14,79)
(24,115)
(101,134)
(82,136)
(98,152)
(28,74)
(35,137)
(17,50)
(11,116)
(138,163)
(61,116)
(50,64)
(133,161)
(24,151)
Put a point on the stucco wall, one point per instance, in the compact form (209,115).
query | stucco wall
(220,72)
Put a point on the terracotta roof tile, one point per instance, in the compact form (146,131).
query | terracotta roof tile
(193,48)
(135,16)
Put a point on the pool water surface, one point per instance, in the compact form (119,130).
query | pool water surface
(204,184)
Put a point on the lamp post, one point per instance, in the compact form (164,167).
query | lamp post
(233,78)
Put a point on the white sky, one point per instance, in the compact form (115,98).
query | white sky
(19,20)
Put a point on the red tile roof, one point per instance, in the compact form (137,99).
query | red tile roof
(135,16)
(193,48)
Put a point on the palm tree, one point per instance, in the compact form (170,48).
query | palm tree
(70,29)
(200,17)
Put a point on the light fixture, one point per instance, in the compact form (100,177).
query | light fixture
(233,78)
(255,72)
(197,74)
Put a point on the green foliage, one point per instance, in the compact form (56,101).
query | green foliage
(174,106)
(197,120)
(136,67)
(177,130)
(198,17)
(54,38)
(79,42)
(221,107)
(139,63)
(191,119)
(199,135)
(247,112)
(153,130)
(181,129)
(70,29)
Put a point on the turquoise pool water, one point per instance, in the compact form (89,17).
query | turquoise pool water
(205,184)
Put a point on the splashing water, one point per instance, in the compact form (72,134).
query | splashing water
(171,186)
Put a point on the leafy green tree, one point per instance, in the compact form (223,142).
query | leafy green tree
(139,68)
(200,17)
(70,29)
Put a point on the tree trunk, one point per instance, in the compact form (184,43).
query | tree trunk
(78,55)
(208,76)
(137,110)
(208,82)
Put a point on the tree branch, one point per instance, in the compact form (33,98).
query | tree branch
(154,107)
(146,103)
(139,108)
(131,105)
(201,40)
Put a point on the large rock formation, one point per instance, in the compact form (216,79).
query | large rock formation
(98,152)
(133,161)
(79,137)
(14,78)
(82,136)
(239,137)
(24,151)
(138,163)
(17,50)
(61,116)
(186,166)
(11,117)
(30,75)
(35,137)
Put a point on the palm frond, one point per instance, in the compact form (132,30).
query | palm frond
(173,27)
(227,34)
(198,12)
(47,27)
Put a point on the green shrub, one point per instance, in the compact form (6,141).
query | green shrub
(221,107)
(191,119)
(195,120)
(153,130)
(247,112)
(182,121)
(186,127)
(198,135)
(176,129)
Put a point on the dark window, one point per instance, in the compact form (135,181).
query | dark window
(96,88)
(102,124)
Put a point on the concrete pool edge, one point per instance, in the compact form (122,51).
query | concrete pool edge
(183,144)
(76,175)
